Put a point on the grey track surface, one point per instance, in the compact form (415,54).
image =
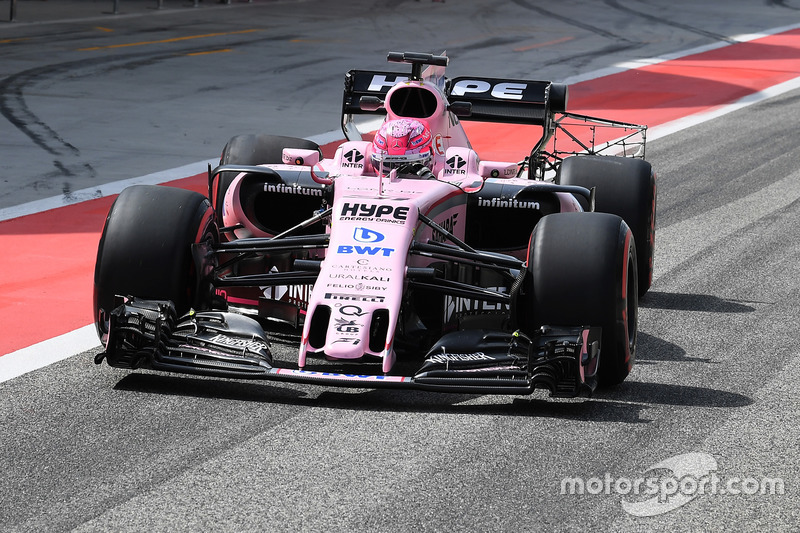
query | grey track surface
(91,448)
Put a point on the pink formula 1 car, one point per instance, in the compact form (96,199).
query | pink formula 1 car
(402,261)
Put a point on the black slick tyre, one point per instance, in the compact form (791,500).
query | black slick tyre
(582,272)
(625,187)
(145,248)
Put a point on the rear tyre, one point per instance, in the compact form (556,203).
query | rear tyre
(626,187)
(145,249)
(582,272)
(251,149)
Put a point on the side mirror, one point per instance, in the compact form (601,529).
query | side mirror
(461,109)
(370,103)
(497,169)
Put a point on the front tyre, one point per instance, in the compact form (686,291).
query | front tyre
(582,272)
(145,249)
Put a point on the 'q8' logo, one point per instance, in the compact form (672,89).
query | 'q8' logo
(367,235)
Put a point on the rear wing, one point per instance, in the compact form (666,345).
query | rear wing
(489,99)
(508,101)
(470,98)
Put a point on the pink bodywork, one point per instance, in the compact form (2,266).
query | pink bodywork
(373,223)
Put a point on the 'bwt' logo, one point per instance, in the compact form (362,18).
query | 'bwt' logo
(367,235)
(365,250)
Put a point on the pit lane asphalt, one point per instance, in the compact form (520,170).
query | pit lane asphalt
(91,448)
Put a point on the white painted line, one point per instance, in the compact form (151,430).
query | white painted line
(47,352)
(662,130)
(337,135)
(639,63)
(157,178)
(106,189)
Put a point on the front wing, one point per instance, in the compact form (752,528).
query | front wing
(148,334)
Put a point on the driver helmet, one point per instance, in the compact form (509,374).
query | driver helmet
(401,142)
